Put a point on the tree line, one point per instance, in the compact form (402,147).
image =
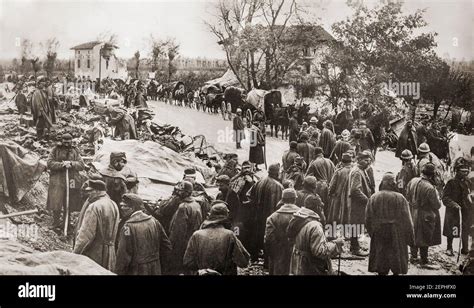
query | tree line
(266,43)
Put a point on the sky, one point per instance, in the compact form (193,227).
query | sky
(74,22)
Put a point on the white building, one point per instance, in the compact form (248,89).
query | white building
(89,64)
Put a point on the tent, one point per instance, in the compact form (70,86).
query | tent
(226,80)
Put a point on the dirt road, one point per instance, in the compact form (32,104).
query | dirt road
(219,133)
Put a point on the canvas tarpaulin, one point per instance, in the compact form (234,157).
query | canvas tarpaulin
(256,98)
(19,170)
(226,80)
(154,164)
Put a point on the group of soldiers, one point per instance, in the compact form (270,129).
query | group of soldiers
(282,217)
(188,233)
(323,180)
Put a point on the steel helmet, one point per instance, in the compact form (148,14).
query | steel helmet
(407,154)
(424,148)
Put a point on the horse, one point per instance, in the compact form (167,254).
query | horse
(214,102)
(379,124)
(190,99)
(179,96)
(152,90)
(277,115)
(303,113)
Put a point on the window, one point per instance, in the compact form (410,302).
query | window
(78,63)
(106,64)
(78,52)
(308,68)
(88,63)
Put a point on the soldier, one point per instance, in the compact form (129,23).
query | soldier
(41,109)
(408,140)
(214,248)
(360,191)
(425,204)
(199,192)
(186,220)
(323,170)
(313,132)
(426,156)
(264,195)
(230,197)
(230,166)
(390,227)
(124,123)
(327,141)
(305,149)
(98,230)
(296,172)
(341,147)
(407,173)
(115,181)
(276,241)
(63,159)
(238,125)
(294,127)
(143,247)
(308,197)
(455,198)
(311,253)
(257,144)
(344,119)
(367,138)
(338,190)
(288,158)
(241,184)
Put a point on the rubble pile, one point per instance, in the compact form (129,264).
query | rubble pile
(85,127)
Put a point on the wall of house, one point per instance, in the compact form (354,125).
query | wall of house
(112,69)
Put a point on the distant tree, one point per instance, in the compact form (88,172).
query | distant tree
(36,65)
(157,51)
(193,81)
(172,50)
(50,47)
(26,53)
(263,39)
(15,65)
(136,57)
(385,44)
(108,37)
(459,90)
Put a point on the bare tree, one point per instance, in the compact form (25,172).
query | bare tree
(26,52)
(262,39)
(231,17)
(50,47)
(108,37)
